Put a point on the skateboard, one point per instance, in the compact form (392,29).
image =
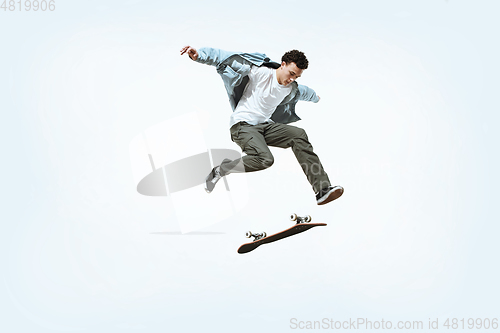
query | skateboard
(302,224)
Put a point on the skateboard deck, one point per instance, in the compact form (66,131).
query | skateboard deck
(296,229)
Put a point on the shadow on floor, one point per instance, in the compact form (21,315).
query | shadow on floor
(178,233)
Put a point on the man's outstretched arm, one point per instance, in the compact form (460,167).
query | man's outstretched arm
(307,94)
(191,51)
(206,55)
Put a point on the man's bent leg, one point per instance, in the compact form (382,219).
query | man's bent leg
(284,136)
(252,143)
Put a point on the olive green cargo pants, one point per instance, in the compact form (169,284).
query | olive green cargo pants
(254,140)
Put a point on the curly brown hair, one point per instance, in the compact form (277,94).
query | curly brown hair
(299,58)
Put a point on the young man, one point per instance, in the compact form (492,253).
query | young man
(263,95)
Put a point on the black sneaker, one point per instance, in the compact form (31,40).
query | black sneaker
(328,194)
(213,177)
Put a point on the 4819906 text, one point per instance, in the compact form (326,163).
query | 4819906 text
(28,5)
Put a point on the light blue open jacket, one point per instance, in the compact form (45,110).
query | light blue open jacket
(234,68)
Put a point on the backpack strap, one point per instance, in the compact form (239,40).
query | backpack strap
(271,64)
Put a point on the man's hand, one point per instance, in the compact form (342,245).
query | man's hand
(319,98)
(191,51)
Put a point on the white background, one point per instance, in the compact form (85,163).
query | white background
(407,124)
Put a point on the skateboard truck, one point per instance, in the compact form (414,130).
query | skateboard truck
(255,236)
(300,219)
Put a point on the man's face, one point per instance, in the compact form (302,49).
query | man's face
(289,73)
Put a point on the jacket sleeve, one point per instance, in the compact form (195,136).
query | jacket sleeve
(211,56)
(307,94)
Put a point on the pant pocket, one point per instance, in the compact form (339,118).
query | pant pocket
(242,142)
(234,131)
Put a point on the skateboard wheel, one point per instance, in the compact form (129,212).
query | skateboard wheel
(293,217)
(264,234)
(308,218)
(248,234)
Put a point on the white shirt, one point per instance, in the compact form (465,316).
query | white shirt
(260,98)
